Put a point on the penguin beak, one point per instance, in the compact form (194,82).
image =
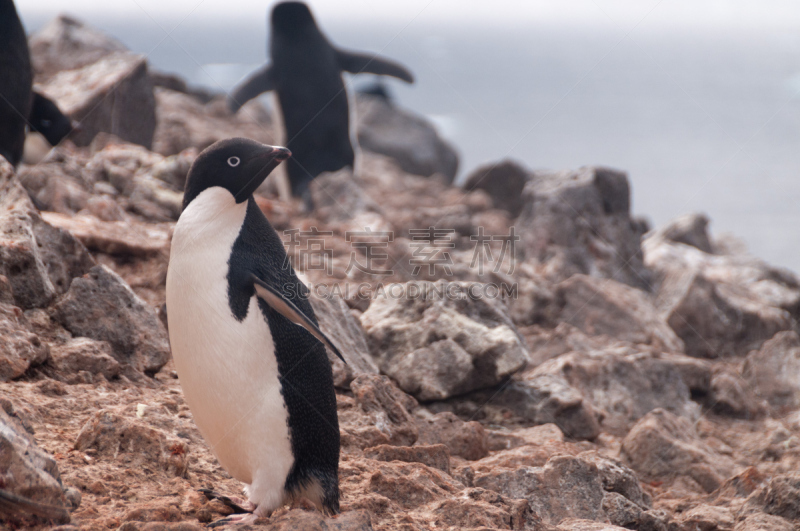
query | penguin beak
(260,165)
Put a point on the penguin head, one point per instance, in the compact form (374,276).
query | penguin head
(238,165)
(292,18)
(46,118)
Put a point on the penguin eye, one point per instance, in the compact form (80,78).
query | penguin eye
(233,162)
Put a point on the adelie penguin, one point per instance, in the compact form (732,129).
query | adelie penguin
(249,353)
(16,79)
(306,74)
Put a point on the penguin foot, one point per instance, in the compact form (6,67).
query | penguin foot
(247,518)
(239,505)
(301,502)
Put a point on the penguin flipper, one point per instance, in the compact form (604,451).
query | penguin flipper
(361,63)
(288,309)
(261,81)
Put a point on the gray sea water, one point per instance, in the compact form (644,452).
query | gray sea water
(702,120)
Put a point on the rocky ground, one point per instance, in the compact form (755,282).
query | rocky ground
(595,375)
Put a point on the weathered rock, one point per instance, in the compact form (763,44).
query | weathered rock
(708,517)
(581,524)
(338,196)
(101,306)
(609,308)
(344,330)
(547,399)
(407,138)
(763,522)
(716,319)
(689,229)
(411,484)
(443,342)
(780,497)
(63,255)
(84,354)
(662,445)
(619,479)
(184,122)
(113,94)
(580,493)
(483,509)
(113,237)
(537,435)
(730,395)
(464,439)
(774,371)
(623,383)
(20,260)
(378,415)
(434,456)
(31,483)
(579,222)
(503,181)
(134,442)
(20,349)
(65,43)
(724,304)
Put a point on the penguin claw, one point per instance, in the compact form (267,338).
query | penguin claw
(239,505)
(247,518)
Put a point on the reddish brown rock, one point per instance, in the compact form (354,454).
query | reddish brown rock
(663,446)
(20,349)
(84,354)
(379,415)
(503,181)
(31,482)
(464,439)
(434,456)
(134,443)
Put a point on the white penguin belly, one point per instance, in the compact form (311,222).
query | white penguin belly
(227,369)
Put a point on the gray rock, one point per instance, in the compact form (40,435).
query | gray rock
(547,399)
(504,181)
(730,395)
(763,522)
(579,494)
(579,222)
(65,43)
(344,330)
(63,255)
(101,306)
(622,382)
(443,342)
(84,354)
(722,304)
(774,371)
(114,95)
(30,478)
(689,229)
(405,137)
(20,260)
(607,307)
(716,319)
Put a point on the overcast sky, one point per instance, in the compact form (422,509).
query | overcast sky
(724,14)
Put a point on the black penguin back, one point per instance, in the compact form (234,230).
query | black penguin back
(304,370)
(311,95)
(16,79)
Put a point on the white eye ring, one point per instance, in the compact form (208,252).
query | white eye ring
(233,162)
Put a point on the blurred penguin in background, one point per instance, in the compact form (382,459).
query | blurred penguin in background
(16,81)
(306,74)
